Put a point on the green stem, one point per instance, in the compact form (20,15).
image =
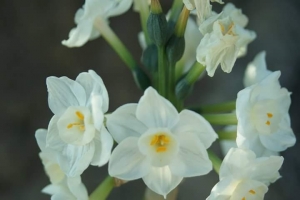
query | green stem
(221,119)
(103,190)
(227,135)
(144,14)
(115,42)
(221,107)
(162,71)
(216,161)
(175,10)
(194,73)
(171,83)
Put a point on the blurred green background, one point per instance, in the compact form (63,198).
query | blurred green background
(30,50)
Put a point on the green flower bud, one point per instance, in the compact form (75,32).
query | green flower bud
(175,48)
(183,89)
(141,78)
(150,58)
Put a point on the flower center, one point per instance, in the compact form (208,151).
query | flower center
(80,123)
(160,141)
(229,30)
(269,115)
(250,192)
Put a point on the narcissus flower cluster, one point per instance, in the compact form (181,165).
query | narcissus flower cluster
(160,139)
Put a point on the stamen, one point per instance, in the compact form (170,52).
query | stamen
(154,140)
(73,124)
(243,198)
(161,149)
(268,123)
(80,115)
(270,115)
(82,128)
(222,28)
(252,191)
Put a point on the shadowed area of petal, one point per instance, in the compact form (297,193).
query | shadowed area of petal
(192,158)
(75,159)
(64,92)
(191,122)
(123,123)
(161,180)
(103,145)
(126,161)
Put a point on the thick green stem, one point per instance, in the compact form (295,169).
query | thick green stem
(171,83)
(144,14)
(216,161)
(221,107)
(221,119)
(175,10)
(114,41)
(194,73)
(162,82)
(227,135)
(103,190)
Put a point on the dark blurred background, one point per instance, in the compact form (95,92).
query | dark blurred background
(30,50)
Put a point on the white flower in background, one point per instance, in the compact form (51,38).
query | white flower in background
(263,118)
(245,177)
(229,10)
(222,45)
(158,144)
(61,187)
(203,7)
(226,145)
(76,130)
(86,16)
(257,70)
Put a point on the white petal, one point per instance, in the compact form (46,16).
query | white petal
(103,145)
(64,92)
(80,35)
(280,140)
(155,111)
(126,161)
(161,180)
(192,159)
(98,115)
(40,136)
(77,188)
(53,139)
(223,189)
(123,123)
(266,169)
(122,6)
(235,162)
(75,159)
(51,189)
(191,122)
(250,190)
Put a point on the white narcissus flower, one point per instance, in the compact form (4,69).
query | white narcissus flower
(86,16)
(76,130)
(61,187)
(263,118)
(245,177)
(203,7)
(257,70)
(222,45)
(159,144)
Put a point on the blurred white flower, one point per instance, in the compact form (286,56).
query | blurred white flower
(263,118)
(61,187)
(245,177)
(257,70)
(159,144)
(76,130)
(86,16)
(203,7)
(222,45)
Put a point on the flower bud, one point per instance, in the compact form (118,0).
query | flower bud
(150,58)
(141,78)
(183,89)
(157,24)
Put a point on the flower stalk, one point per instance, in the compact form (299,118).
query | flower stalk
(216,161)
(221,119)
(103,190)
(220,107)
(227,135)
